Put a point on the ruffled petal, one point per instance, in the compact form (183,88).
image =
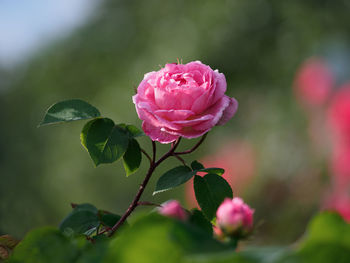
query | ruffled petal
(228,113)
(216,111)
(158,134)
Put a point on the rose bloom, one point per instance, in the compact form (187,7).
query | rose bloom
(314,82)
(173,209)
(184,100)
(234,217)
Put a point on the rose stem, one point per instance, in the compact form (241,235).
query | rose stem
(147,155)
(151,169)
(193,148)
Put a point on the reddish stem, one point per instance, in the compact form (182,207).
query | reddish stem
(153,166)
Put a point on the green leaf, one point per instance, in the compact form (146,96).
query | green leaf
(45,245)
(69,110)
(173,178)
(82,220)
(155,238)
(109,220)
(134,131)
(210,191)
(104,141)
(327,240)
(198,219)
(79,222)
(218,171)
(197,165)
(132,157)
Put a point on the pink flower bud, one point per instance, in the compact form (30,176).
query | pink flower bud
(173,209)
(235,217)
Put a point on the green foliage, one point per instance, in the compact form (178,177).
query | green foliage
(174,177)
(198,219)
(109,219)
(69,110)
(45,245)
(132,130)
(154,238)
(105,141)
(181,174)
(83,219)
(196,165)
(132,157)
(328,237)
(210,191)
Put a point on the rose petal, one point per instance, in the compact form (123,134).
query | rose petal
(216,111)
(229,111)
(158,134)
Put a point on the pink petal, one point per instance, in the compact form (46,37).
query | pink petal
(216,111)
(229,111)
(156,133)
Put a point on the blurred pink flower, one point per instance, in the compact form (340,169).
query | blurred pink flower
(238,158)
(314,82)
(339,113)
(340,164)
(173,209)
(235,217)
(339,202)
(184,100)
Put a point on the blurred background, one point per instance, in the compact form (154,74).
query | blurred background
(287,150)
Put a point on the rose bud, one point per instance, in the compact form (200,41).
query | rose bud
(235,218)
(173,209)
(183,100)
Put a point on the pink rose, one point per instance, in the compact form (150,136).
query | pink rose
(234,217)
(173,209)
(184,100)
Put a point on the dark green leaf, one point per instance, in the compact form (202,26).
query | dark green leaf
(79,222)
(173,178)
(132,157)
(109,220)
(134,131)
(198,219)
(196,165)
(69,110)
(104,141)
(85,207)
(210,191)
(218,171)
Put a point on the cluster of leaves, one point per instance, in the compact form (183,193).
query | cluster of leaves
(154,238)
(105,141)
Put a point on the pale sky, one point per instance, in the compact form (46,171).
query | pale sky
(27,25)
